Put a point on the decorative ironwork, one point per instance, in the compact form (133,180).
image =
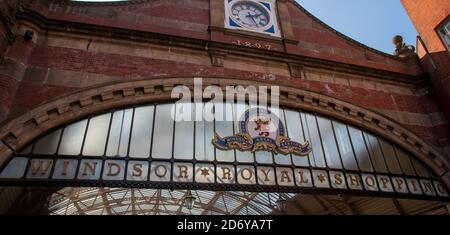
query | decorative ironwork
(120,201)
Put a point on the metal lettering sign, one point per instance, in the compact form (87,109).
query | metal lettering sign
(273,151)
(202,175)
(260,129)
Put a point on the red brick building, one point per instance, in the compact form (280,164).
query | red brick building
(62,62)
(431,19)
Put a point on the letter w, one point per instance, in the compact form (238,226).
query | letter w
(40,166)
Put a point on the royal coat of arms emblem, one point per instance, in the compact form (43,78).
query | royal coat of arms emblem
(261,130)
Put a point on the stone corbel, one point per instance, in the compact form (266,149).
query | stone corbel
(217,58)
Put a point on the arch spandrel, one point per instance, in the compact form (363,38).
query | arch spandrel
(17,133)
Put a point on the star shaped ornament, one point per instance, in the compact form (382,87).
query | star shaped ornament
(205,172)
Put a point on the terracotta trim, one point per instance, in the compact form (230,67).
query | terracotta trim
(17,133)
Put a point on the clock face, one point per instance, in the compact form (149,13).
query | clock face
(250,15)
(258,16)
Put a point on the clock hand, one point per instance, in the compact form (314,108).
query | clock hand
(253,19)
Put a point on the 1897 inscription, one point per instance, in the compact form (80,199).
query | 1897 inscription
(254,45)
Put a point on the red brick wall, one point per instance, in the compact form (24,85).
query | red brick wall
(36,88)
(8,84)
(187,18)
(426,16)
(140,67)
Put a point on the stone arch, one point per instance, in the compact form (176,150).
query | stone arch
(18,132)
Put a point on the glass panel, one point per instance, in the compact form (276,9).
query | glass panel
(204,173)
(163,133)
(405,162)
(245,174)
(204,150)
(239,110)
(89,169)
(184,135)
(223,129)
(375,153)
(137,170)
(295,131)
(359,146)
(160,171)
(141,134)
(119,133)
(72,138)
(94,145)
(285,176)
(65,169)
(389,156)
(307,137)
(314,137)
(48,143)
(329,143)
(114,170)
(420,168)
(444,32)
(345,146)
(15,168)
(39,168)
(262,156)
(281,158)
(183,172)
(225,174)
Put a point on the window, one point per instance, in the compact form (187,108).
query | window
(444,32)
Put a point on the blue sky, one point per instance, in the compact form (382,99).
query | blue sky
(371,22)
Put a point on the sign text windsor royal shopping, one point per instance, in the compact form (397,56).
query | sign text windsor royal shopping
(260,129)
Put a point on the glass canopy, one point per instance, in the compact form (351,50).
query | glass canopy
(119,201)
(144,147)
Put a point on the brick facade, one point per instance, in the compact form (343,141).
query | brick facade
(427,16)
(77,47)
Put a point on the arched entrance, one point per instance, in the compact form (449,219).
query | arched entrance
(122,136)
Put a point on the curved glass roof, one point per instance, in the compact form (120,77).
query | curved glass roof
(144,146)
(132,201)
